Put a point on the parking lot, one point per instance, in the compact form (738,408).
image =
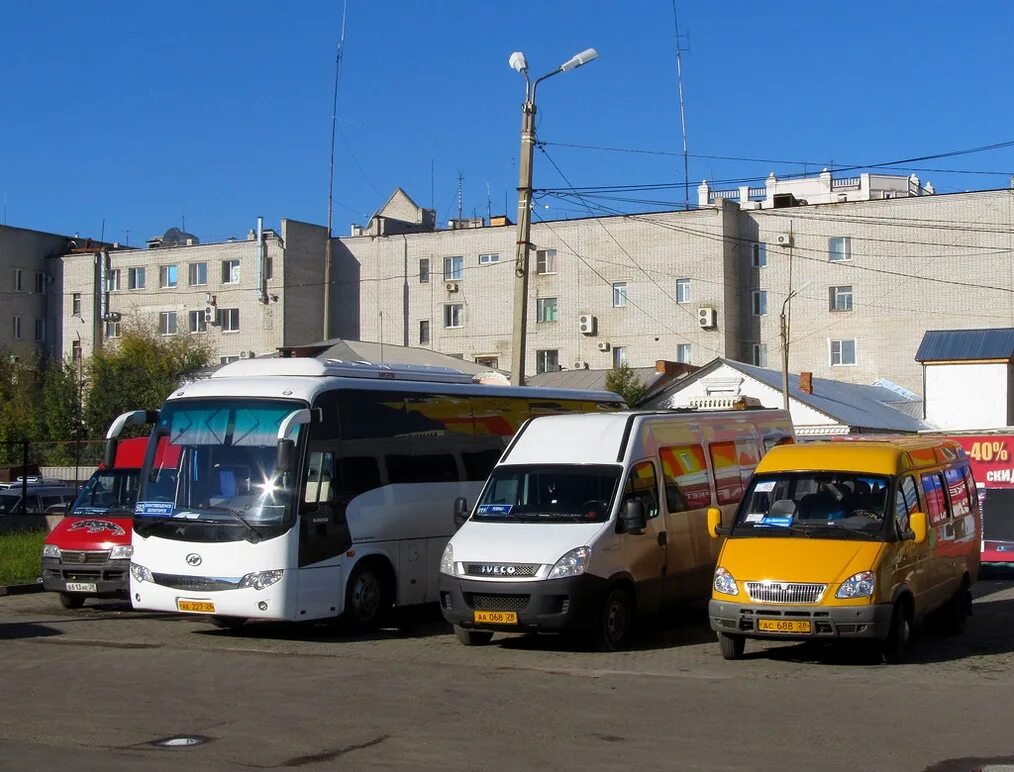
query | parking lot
(92,689)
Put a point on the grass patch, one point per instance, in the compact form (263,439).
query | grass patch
(20,556)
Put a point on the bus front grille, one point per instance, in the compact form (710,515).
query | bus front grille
(785,592)
(502,570)
(82,557)
(195,583)
(494,602)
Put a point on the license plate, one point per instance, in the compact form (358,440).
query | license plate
(81,587)
(196,606)
(783,625)
(496,617)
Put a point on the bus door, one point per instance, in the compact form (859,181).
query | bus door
(323,535)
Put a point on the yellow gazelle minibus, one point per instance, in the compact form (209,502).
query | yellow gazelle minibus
(849,539)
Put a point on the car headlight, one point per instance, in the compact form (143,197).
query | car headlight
(140,573)
(572,563)
(447,560)
(725,583)
(50,551)
(260,580)
(121,552)
(858,586)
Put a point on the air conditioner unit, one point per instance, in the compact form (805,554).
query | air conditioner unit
(451,286)
(210,314)
(580,364)
(247,354)
(603,346)
(707,318)
(586,324)
(783,239)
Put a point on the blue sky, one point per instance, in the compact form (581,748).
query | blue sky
(151,115)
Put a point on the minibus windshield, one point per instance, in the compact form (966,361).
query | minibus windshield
(815,504)
(561,493)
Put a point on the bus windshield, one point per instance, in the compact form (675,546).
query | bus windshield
(817,504)
(218,466)
(549,493)
(108,491)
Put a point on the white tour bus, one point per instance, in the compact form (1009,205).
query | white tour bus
(590,520)
(297,489)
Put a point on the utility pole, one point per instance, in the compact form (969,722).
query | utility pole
(783,327)
(330,181)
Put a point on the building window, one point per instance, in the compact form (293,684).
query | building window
(489,258)
(619,355)
(229,318)
(75,350)
(839,248)
(683,290)
(135,278)
(112,329)
(19,280)
(454,267)
(196,321)
(167,276)
(760,354)
(230,272)
(17,328)
(197,274)
(545,261)
(40,330)
(683,352)
(454,314)
(840,298)
(113,280)
(40,282)
(759,255)
(424,331)
(547,361)
(167,323)
(760,302)
(269,268)
(619,294)
(545,310)
(843,352)
(492,363)
(75,304)
(424,270)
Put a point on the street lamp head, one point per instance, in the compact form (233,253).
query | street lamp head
(518,62)
(578,59)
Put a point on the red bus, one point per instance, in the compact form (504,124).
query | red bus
(991,452)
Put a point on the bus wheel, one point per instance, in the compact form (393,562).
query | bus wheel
(71,601)
(895,648)
(228,623)
(368,596)
(615,625)
(732,646)
(472,637)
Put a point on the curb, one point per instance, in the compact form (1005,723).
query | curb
(21,589)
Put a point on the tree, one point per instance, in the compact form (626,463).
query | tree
(624,381)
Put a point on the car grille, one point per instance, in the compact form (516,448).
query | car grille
(195,583)
(785,592)
(501,570)
(497,602)
(84,557)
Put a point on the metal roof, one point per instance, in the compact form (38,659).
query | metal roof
(962,345)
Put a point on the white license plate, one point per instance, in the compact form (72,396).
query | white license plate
(81,587)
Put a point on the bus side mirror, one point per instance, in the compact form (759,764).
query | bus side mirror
(715,528)
(918,527)
(109,456)
(286,455)
(460,512)
(632,517)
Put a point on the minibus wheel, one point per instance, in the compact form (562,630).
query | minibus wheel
(951,618)
(615,625)
(732,646)
(71,601)
(472,637)
(895,646)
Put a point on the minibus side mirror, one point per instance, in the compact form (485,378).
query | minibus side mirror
(715,528)
(286,455)
(632,517)
(917,527)
(460,512)
(109,457)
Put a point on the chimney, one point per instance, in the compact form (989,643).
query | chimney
(806,383)
(663,366)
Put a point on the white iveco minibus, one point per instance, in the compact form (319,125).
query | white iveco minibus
(297,489)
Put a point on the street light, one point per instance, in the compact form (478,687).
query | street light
(518,62)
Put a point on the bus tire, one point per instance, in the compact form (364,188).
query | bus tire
(67,600)
(732,646)
(614,627)
(894,648)
(368,595)
(472,637)
(228,623)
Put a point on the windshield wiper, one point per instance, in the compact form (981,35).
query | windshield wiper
(257,536)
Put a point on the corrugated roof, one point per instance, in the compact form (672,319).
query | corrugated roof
(961,345)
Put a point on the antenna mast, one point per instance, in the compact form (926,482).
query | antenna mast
(683,112)
(330,179)
(461,177)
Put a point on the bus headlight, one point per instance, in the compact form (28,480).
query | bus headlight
(573,563)
(50,551)
(857,586)
(260,580)
(447,560)
(140,573)
(725,583)
(121,552)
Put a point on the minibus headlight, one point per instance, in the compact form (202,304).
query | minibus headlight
(121,552)
(572,563)
(140,573)
(260,580)
(447,560)
(50,551)
(724,583)
(857,586)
